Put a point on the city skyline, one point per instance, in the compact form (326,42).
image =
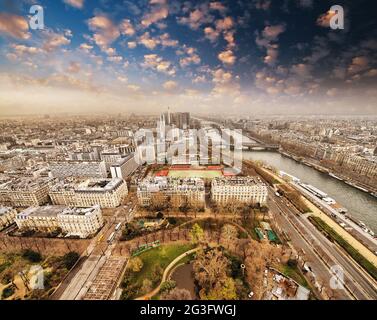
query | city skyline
(255,57)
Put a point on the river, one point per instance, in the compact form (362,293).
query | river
(360,205)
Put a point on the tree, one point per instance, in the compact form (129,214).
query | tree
(136,264)
(176,294)
(229,232)
(223,290)
(31,255)
(146,286)
(196,233)
(210,267)
(70,259)
(167,286)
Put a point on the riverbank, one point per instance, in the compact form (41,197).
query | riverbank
(361,206)
(364,188)
(315,211)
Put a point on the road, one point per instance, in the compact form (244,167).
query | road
(359,284)
(367,239)
(98,251)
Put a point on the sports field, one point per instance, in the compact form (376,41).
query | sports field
(204,174)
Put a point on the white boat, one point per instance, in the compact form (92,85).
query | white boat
(335,176)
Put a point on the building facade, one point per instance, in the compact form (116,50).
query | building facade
(177,191)
(89,169)
(107,193)
(24,192)
(124,167)
(7,216)
(79,222)
(250,190)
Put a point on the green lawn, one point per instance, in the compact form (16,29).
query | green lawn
(154,263)
(294,274)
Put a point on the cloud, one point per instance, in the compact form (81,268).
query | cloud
(333,92)
(305,3)
(227,57)
(159,11)
(133,87)
(147,41)
(55,40)
(197,17)
(358,65)
(105,31)
(167,42)
(75,3)
(132,44)
(324,19)
(262,4)
(20,49)
(14,26)
(170,85)
(224,24)
(157,63)
(273,32)
(74,67)
(85,47)
(270,35)
(211,34)
(221,76)
(115,59)
(126,27)
(217,6)
(191,58)
(371,73)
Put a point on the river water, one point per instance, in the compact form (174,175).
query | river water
(360,205)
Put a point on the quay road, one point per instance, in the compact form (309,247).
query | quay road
(367,239)
(359,284)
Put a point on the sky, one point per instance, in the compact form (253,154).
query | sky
(209,56)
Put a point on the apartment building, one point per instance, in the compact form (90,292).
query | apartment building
(24,191)
(241,189)
(107,193)
(7,216)
(124,167)
(80,222)
(111,157)
(72,168)
(175,190)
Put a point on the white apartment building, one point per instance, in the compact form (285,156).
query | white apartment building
(70,168)
(110,157)
(24,191)
(124,167)
(241,189)
(7,216)
(81,222)
(107,193)
(176,190)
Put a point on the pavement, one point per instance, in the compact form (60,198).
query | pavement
(363,249)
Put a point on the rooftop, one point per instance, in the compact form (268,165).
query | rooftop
(238,181)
